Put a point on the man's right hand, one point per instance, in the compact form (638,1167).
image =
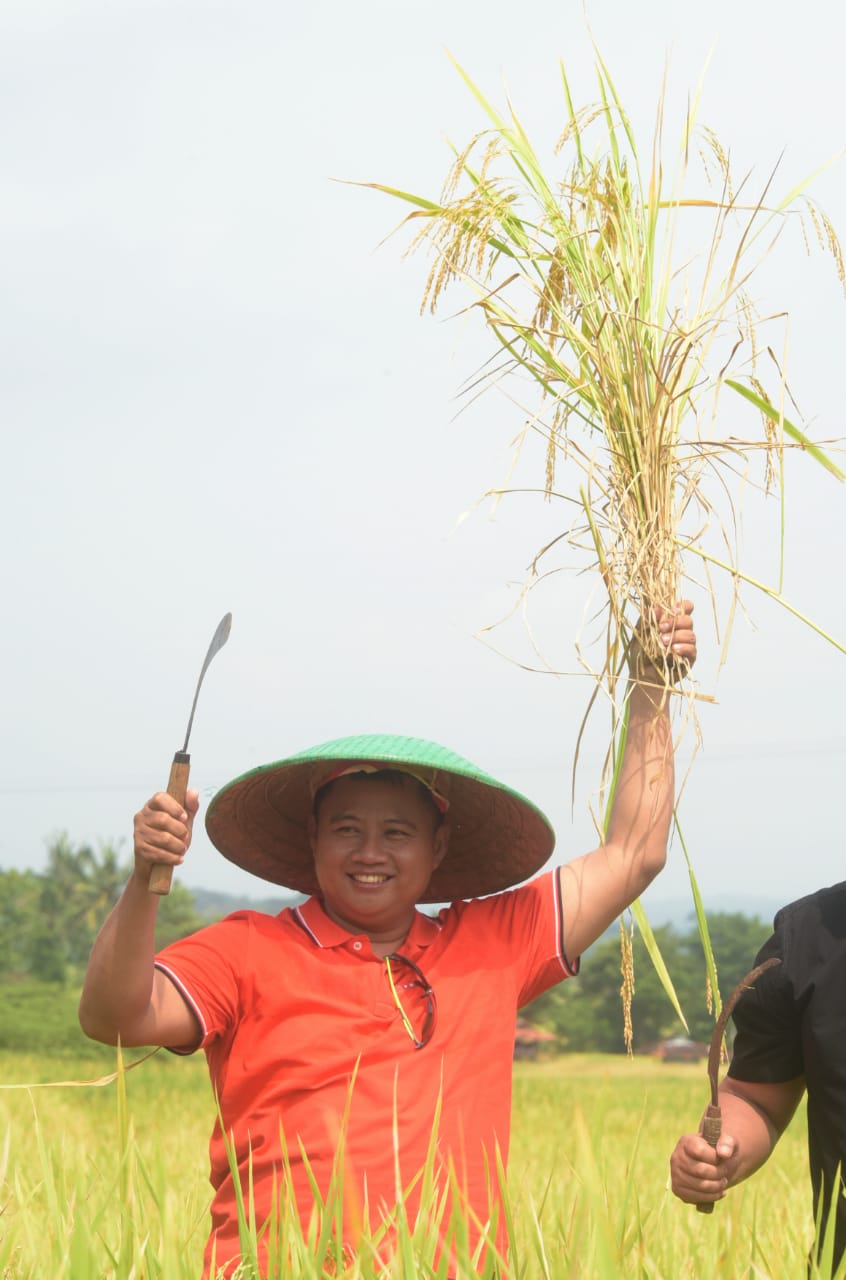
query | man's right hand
(163,831)
(700,1173)
(754,1115)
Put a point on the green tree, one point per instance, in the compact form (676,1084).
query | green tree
(47,956)
(736,939)
(587,1014)
(88,884)
(48,921)
(19,917)
(177,916)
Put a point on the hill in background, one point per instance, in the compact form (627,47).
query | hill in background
(212,905)
(679,912)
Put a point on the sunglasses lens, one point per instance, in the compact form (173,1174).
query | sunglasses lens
(416,998)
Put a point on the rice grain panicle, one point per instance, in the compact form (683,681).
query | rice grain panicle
(595,288)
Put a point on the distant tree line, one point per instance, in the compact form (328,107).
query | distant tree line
(49,919)
(585,1014)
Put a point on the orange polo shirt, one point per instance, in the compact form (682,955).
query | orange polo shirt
(293,1009)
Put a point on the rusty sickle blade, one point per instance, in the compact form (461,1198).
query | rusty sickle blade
(712,1121)
(728,1008)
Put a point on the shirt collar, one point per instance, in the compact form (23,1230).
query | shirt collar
(324,932)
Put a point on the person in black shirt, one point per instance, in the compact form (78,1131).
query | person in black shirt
(791,1038)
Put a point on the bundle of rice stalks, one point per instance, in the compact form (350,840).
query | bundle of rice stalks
(625,302)
(594,286)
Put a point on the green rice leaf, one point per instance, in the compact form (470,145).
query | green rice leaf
(701,922)
(790,430)
(654,952)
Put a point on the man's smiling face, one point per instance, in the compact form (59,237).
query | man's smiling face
(376,842)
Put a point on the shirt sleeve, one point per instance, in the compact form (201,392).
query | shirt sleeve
(207,969)
(768,1019)
(528,922)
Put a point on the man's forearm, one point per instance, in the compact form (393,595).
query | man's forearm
(643,802)
(755,1126)
(118,983)
(753,1116)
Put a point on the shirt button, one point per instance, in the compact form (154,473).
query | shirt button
(356,946)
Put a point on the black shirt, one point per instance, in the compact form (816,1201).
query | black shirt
(793,1023)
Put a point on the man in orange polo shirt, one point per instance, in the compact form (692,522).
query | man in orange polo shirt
(355,1028)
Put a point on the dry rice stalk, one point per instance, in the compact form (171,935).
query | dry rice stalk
(587,282)
(626,304)
(627,989)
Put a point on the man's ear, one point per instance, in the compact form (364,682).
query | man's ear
(441,843)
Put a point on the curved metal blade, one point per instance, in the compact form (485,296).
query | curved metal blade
(720,1028)
(218,640)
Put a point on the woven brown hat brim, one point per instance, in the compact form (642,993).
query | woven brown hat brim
(260,822)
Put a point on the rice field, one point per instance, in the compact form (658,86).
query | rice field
(95,1184)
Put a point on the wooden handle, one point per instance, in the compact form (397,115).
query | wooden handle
(712,1127)
(177,784)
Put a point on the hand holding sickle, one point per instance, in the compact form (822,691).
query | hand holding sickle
(712,1123)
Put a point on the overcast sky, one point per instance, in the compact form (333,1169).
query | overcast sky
(218,394)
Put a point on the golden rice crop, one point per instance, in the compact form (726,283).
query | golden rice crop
(626,303)
(619,294)
(112,1183)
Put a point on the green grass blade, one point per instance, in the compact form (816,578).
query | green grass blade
(701,921)
(654,952)
(790,430)
(779,599)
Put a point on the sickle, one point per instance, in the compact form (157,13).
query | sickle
(162,873)
(712,1123)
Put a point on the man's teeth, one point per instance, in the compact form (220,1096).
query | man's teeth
(370,879)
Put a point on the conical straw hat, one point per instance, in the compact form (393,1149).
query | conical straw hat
(498,838)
